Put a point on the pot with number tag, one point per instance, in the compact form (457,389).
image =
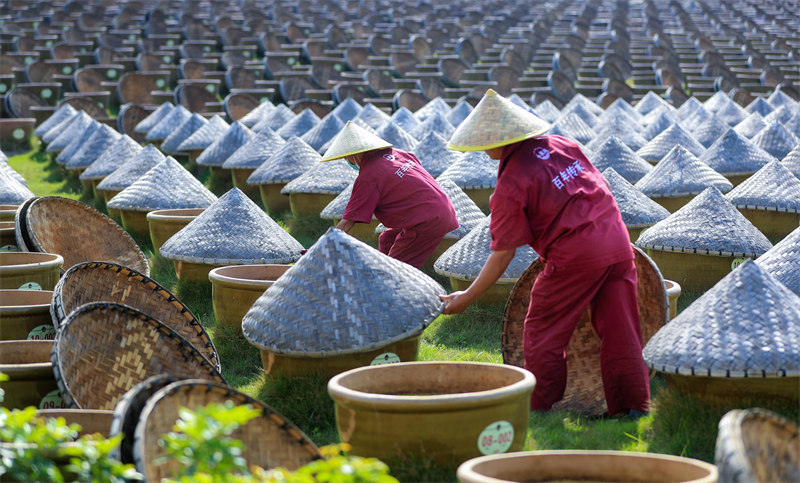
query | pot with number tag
(25,315)
(29,270)
(31,381)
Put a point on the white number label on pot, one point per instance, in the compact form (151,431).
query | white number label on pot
(496,438)
(9,248)
(387,358)
(736,262)
(30,286)
(43,332)
(52,400)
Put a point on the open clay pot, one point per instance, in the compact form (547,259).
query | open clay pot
(135,222)
(165,223)
(240,181)
(309,204)
(7,212)
(673,292)
(235,288)
(274,201)
(497,293)
(773,224)
(91,420)
(19,269)
(25,315)
(31,381)
(693,272)
(8,236)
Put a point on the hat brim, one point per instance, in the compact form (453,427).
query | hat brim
(499,144)
(340,156)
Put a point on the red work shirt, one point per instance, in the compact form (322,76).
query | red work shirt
(549,196)
(393,185)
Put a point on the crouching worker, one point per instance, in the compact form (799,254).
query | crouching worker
(393,186)
(549,196)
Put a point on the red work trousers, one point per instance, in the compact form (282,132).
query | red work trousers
(558,300)
(411,245)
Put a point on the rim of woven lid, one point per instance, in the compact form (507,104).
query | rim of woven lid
(686,345)
(496,122)
(771,188)
(783,261)
(353,139)
(195,333)
(336,208)
(89,216)
(184,351)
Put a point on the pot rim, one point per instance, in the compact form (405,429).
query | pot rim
(673,287)
(440,402)
(49,260)
(217,276)
(466,471)
(10,309)
(168,214)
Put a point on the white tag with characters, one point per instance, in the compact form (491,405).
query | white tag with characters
(386,358)
(496,438)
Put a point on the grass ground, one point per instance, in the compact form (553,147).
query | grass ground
(678,424)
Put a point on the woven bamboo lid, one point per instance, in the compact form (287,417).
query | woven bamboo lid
(109,282)
(587,103)
(322,178)
(783,261)
(104,349)
(372,116)
(253,153)
(431,108)
(468,214)
(759,106)
(168,185)
(731,114)
(404,118)
(618,107)
(77,142)
(689,107)
(167,124)
(623,127)
(473,170)
(638,211)
(232,231)
(132,170)
(747,325)
(63,133)
(792,160)
(717,101)
(734,154)
(661,119)
(290,161)
(793,124)
(437,123)
(547,111)
(780,115)
(12,192)
(680,173)
(269,440)
(397,136)
(649,102)
(103,138)
(432,152)
(707,225)
(614,153)
(253,117)
(214,129)
(171,143)
(218,151)
(771,188)
(695,118)
(710,130)
(300,125)
(776,140)
(123,150)
(582,112)
(63,113)
(318,136)
(464,260)
(757,445)
(778,99)
(675,135)
(146,124)
(459,112)
(347,110)
(6,168)
(342,297)
(573,127)
(335,209)
(275,118)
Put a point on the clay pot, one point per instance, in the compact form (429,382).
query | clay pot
(309,204)
(193,272)
(165,223)
(773,224)
(445,411)
(497,293)
(135,222)
(30,372)
(673,292)
(91,420)
(440,249)
(722,391)
(25,315)
(7,212)
(240,181)
(20,268)
(583,465)
(480,196)
(737,179)
(673,203)
(274,201)
(107,195)
(8,235)
(235,288)
(362,231)
(693,272)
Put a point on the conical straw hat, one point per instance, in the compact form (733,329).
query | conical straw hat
(353,139)
(495,122)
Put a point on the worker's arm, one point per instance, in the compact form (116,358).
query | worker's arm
(345,225)
(494,267)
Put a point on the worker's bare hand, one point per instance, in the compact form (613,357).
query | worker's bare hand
(457,302)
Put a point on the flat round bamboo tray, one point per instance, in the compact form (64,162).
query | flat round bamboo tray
(773,224)
(21,226)
(29,370)
(26,269)
(104,349)
(309,204)
(108,282)
(273,200)
(165,223)
(80,233)
(25,315)
(584,391)
(270,440)
(235,288)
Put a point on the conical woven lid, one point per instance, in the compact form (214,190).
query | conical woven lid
(432,152)
(335,209)
(365,301)
(397,136)
(464,260)
(468,213)
(719,100)
(168,185)
(778,99)
(707,225)
(781,114)
(434,106)
(637,209)
(353,139)
(222,148)
(747,325)
(63,113)
(12,192)
(132,170)
(581,112)
(322,178)
(623,128)
(232,231)
(459,113)
(734,154)
(613,153)
(253,117)
(63,133)
(516,99)
(325,131)
(620,107)
(122,151)
(661,119)
(732,114)
(167,125)
(275,119)
(373,116)
(751,125)
(760,106)
(436,123)
(146,124)
(587,103)
(103,138)
(709,130)
(792,161)
(173,142)
(793,124)
(254,152)
(673,136)
(290,161)
(695,118)
(495,122)
(405,119)
(775,140)
(475,170)
(204,137)
(5,167)
(649,102)
(680,173)
(572,126)
(300,125)
(688,108)
(347,110)
(783,261)
(772,188)
(547,111)
(77,143)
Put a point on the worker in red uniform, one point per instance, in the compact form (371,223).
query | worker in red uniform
(393,186)
(549,196)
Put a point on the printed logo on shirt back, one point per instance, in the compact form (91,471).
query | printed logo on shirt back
(389,157)
(541,153)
